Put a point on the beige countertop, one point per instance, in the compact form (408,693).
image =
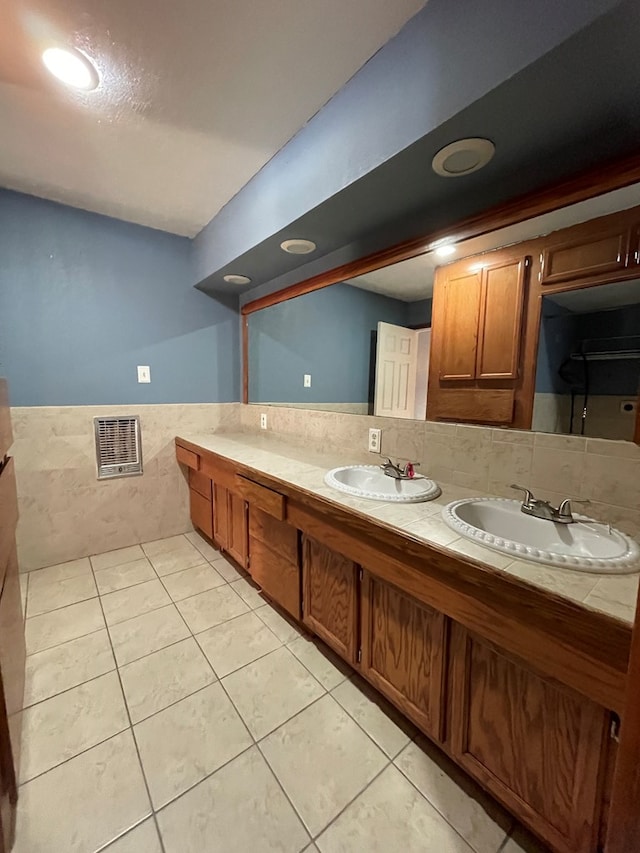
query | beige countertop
(305,468)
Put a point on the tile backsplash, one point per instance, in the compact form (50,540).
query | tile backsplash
(66,513)
(606,473)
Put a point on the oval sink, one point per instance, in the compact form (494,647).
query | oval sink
(371,483)
(587,545)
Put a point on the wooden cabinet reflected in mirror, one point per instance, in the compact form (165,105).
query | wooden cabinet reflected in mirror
(535,325)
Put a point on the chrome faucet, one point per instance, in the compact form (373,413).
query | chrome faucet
(543,509)
(400,472)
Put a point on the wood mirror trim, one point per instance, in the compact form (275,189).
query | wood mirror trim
(605,178)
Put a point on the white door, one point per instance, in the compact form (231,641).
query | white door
(396,369)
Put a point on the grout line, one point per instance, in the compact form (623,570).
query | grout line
(62,606)
(105,847)
(133,736)
(73,687)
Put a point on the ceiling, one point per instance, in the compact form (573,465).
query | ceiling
(412,280)
(575,108)
(194,98)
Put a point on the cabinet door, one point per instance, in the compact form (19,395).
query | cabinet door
(201,513)
(500,322)
(587,256)
(459,333)
(238,542)
(330,595)
(536,745)
(403,652)
(221,516)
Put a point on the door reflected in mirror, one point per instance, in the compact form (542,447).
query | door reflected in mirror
(588,371)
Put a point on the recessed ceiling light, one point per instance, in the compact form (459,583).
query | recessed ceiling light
(237,279)
(463,157)
(298,246)
(445,251)
(72,67)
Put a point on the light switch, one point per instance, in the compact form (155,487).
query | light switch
(144,373)
(307,380)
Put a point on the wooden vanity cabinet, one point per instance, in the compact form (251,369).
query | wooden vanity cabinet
(201,502)
(330,585)
(404,652)
(535,744)
(478,316)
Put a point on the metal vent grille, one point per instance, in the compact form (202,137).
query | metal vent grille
(118,447)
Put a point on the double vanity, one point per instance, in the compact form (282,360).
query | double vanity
(440,598)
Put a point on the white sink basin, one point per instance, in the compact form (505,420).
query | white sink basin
(370,482)
(587,545)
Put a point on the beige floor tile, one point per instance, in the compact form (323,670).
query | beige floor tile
(236,643)
(386,726)
(229,571)
(477,817)
(85,803)
(391,815)
(57,669)
(322,774)
(72,569)
(248,593)
(284,630)
(164,677)
(59,728)
(187,741)
(192,581)
(163,546)
(271,690)
(208,551)
(134,601)
(142,839)
(182,558)
(211,608)
(51,629)
(57,594)
(117,557)
(523,842)
(145,634)
(321,662)
(224,813)
(127,574)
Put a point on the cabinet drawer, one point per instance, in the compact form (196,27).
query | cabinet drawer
(276,534)
(279,578)
(273,503)
(200,483)
(187,457)
(201,513)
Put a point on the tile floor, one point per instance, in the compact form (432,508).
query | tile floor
(170,708)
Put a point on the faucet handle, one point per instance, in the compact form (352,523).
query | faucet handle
(564,510)
(528,495)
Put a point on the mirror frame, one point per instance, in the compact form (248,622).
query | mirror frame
(588,184)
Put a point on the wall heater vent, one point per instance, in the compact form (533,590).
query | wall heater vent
(118,447)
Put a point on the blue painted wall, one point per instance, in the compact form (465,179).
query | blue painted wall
(561,333)
(84,299)
(442,61)
(327,334)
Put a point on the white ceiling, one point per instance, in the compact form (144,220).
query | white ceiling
(412,280)
(195,96)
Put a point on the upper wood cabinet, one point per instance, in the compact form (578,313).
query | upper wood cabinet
(330,597)
(537,745)
(477,328)
(403,652)
(586,255)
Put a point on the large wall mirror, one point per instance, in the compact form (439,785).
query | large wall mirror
(377,343)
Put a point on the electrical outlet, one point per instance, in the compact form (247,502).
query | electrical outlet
(144,373)
(263,421)
(629,407)
(307,380)
(374,440)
